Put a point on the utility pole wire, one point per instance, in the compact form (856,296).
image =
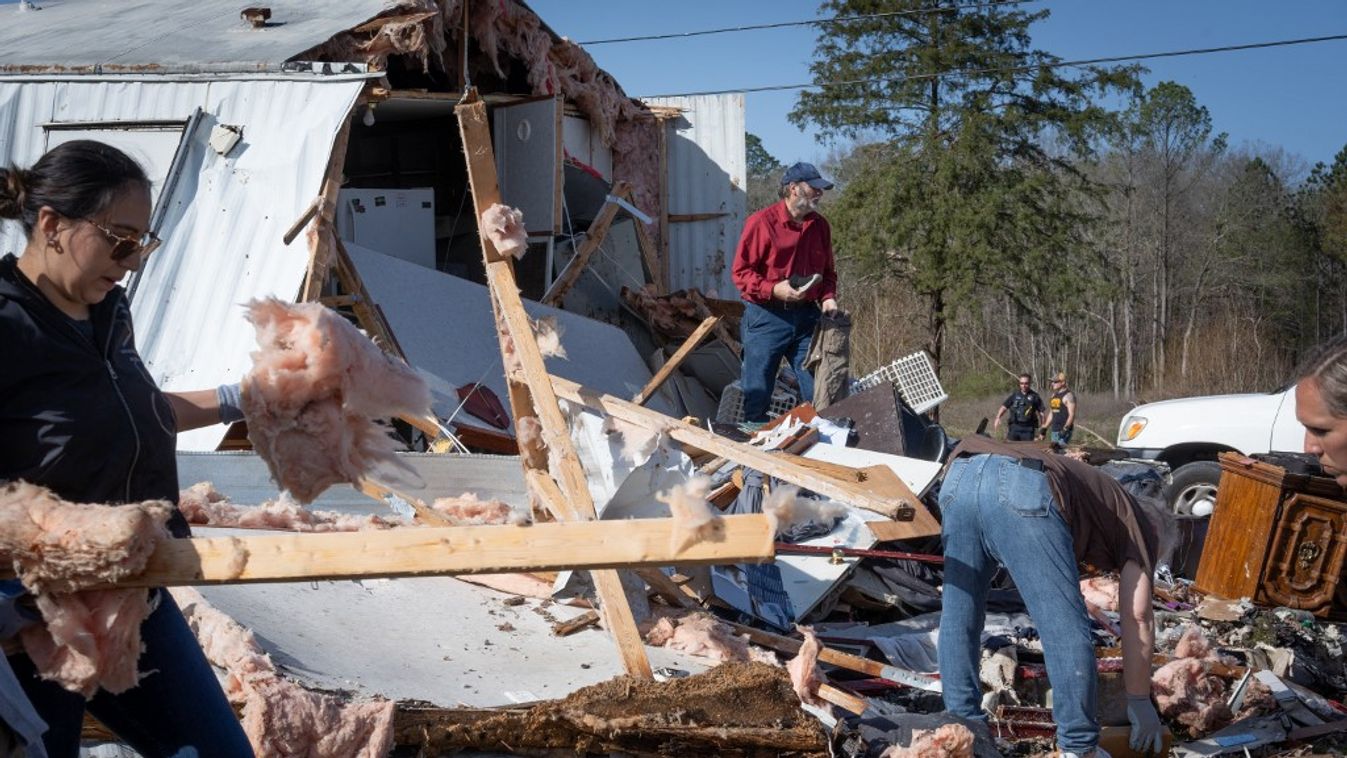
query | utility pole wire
(1018,69)
(808,22)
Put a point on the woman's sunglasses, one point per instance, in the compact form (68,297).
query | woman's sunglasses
(125,247)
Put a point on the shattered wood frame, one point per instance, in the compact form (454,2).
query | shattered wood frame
(531,394)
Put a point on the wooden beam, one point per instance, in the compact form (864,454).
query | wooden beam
(683,218)
(674,362)
(850,662)
(779,466)
(662,273)
(598,229)
(321,250)
(450,550)
(648,253)
(302,221)
(842,699)
(535,395)
(424,513)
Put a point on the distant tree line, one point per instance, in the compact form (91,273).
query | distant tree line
(1003,212)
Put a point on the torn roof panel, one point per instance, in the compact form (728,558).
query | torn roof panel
(168,35)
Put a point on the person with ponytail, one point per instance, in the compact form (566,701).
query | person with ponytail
(81,416)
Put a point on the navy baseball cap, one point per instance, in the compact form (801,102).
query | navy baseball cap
(805,172)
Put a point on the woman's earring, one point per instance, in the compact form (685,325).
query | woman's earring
(54,244)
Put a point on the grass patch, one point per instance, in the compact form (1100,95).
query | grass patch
(1097,412)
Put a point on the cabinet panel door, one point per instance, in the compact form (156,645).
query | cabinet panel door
(1306,557)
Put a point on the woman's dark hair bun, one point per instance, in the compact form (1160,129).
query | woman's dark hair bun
(12,191)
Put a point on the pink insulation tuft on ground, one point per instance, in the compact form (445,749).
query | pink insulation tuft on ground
(786,509)
(805,675)
(1185,689)
(699,633)
(548,334)
(504,226)
(467,510)
(1101,592)
(203,505)
(694,517)
(316,386)
(280,717)
(948,741)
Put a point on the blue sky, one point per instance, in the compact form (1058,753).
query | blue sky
(1292,97)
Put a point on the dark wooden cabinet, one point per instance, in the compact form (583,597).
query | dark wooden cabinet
(1277,538)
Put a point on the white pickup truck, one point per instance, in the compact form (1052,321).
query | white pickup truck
(1188,433)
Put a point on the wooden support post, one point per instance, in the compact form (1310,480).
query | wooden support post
(598,229)
(648,252)
(676,360)
(919,521)
(535,396)
(449,550)
(661,275)
(321,250)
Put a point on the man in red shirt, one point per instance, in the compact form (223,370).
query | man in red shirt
(783,269)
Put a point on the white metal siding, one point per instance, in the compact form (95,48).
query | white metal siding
(223,228)
(706,174)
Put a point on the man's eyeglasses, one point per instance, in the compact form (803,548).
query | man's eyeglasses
(124,247)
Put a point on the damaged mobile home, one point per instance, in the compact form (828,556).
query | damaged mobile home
(551,255)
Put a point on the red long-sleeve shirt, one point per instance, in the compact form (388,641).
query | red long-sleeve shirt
(775,247)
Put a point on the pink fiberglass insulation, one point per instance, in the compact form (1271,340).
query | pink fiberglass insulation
(529,434)
(280,717)
(203,505)
(316,386)
(636,161)
(1187,691)
(786,509)
(805,675)
(504,226)
(91,639)
(701,634)
(57,546)
(1101,592)
(694,518)
(548,334)
(468,510)
(948,741)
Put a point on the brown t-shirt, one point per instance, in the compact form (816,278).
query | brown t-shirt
(1108,528)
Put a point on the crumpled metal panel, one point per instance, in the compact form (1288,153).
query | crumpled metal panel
(707,173)
(223,227)
(169,33)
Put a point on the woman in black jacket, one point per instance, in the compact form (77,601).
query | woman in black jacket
(80,415)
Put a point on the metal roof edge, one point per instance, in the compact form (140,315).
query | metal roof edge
(292,70)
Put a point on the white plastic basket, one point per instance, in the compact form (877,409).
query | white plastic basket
(915,376)
(731,408)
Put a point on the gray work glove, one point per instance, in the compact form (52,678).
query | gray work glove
(14,618)
(230,398)
(1148,734)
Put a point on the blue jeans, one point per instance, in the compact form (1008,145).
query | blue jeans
(996,511)
(770,333)
(178,710)
(1061,436)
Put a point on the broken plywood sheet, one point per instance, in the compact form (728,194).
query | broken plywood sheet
(915,473)
(446,328)
(433,639)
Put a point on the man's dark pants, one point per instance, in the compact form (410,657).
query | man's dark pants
(1017,433)
(770,333)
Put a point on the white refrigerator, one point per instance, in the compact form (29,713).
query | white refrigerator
(397,222)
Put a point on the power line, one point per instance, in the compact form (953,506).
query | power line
(1016,69)
(808,22)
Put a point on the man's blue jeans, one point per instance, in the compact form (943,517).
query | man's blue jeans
(177,710)
(769,334)
(996,511)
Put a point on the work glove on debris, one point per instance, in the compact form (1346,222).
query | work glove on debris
(230,398)
(1148,734)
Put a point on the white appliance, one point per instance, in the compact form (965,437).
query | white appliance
(396,222)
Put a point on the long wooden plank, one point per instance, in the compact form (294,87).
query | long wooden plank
(512,321)
(598,229)
(676,360)
(430,551)
(321,249)
(658,275)
(850,493)
(840,659)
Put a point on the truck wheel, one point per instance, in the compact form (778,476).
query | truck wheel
(1192,488)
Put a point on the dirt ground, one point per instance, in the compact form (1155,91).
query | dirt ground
(736,709)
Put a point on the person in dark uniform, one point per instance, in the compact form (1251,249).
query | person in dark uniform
(1061,420)
(1025,407)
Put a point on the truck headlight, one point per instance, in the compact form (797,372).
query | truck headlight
(1132,426)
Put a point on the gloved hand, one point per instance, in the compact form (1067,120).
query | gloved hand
(13,618)
(230,399)
(1148,734)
